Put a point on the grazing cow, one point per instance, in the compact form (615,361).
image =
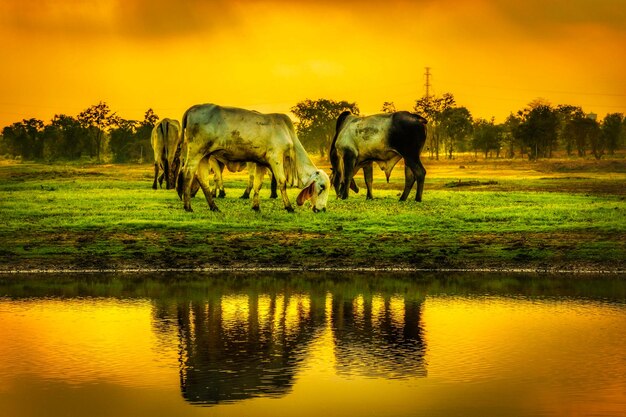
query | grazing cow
(382,138)
(238,135)
(165,140)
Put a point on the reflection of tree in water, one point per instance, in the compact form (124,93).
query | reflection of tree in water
(241,346)
(378,336)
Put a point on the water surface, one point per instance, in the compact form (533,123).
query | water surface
(309,345)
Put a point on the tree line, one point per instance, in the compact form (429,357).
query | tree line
(96,134)
(537,131)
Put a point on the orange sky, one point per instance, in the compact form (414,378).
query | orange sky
(495,56)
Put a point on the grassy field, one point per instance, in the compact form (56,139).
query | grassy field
(494,214)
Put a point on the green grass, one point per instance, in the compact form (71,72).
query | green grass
(109,217)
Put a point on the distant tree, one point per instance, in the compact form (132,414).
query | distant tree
(150,118)
(538,130)
(64,138)
(317,121)
(456,125)
(98,119)
(25,139)
(595,137)
(509,139)
(388,107)
(612,131)
(567,137)
(143,135)
(432,107)
(487,137)
(123,140)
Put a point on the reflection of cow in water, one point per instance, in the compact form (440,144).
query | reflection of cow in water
(378,337)
(240,345)
(224,360)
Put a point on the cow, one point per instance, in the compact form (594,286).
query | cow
(165,141)
(232,134)
(385,138)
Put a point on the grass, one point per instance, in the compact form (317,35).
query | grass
(548,215)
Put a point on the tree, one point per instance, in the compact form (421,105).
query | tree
(317,120)
(566,114)
(612,131)
(25,139)
(123,140)
(388,107)
(150,118)
(538,130)
(64,138)
(456,125)
(594,136)
(98,119)
(509,139)
(143,134)
(487,137)
(432,107)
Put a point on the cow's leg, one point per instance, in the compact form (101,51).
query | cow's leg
(251,176)
(349,161)
(409,180)
(259,173)
(203,175)
(218,168)
(161,179)
(186,177)
(281,182)
(273,187)
(368,174)
(421,178)
(166,173)
(195,187)
(156,175)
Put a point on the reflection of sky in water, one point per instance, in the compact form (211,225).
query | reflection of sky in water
(313,353)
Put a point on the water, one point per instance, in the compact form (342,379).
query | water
(310,345)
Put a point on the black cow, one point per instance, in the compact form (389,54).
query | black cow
(382,138)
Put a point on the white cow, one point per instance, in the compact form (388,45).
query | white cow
(236,135)
(165,140)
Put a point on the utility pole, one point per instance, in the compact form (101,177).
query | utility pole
(427,85)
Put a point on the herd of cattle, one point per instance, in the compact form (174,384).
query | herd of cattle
(214,137)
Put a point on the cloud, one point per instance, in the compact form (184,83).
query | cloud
(134,18)
(550,15)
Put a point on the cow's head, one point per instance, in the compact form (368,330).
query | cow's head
(316,190)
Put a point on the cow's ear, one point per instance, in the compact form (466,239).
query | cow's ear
(305,194)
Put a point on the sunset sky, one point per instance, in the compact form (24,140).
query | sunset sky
(495,56)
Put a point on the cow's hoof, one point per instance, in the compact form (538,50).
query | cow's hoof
(274,196)
(369,197)
(189,209)
(256,208)
(214,209)
(222,194)
(245,196)
(289,209)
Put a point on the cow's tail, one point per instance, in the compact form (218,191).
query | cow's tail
(180,150)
